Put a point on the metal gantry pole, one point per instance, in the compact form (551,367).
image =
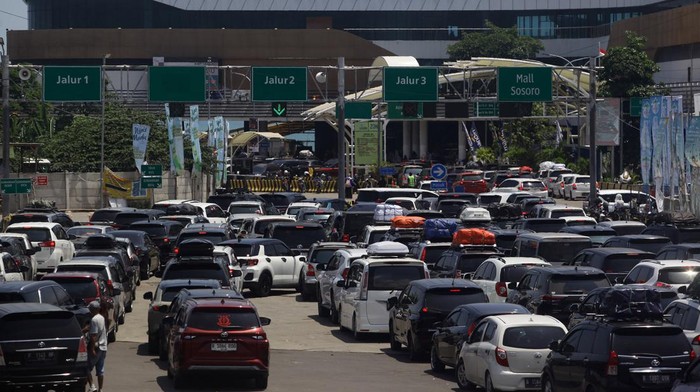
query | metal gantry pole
(5,127)
(341,128)
(102,133)
(593,162)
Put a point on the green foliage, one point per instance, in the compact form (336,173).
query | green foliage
(627,70)
(502,42)
(531,141)
(485,155)
(580,166)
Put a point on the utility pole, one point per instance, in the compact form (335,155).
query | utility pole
(341,128)
(5,124)
(102,134)
(593,162)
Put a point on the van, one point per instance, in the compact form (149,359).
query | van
(555,248)
(379,195)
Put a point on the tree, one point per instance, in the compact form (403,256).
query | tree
(627,70)
(502,42)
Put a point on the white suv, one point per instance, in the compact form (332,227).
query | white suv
(531,185)
(294,207)
(559,211)
(328,277)
(211,211)
(507,352)
(496,272)
(371,280)
(663,273)
(685,313)
(55,244)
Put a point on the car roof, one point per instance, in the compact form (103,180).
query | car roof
(128,232)
(47,225)
(621,223)
(354,252)
(517,320)
(444,282)
(518,260)
(640,237)
(671,263)
(684,245)
(617,250)
(212,227)
(569,270)
(222,302)
(559,207)
(251,241)
(104,261)
(586,228)
(341,245)
(28,307)
(211,293)
(296,225)
(538,236)
(22,285)
(187,282)
(71,274)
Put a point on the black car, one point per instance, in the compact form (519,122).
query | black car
(420,305)
(427,251)
(552,290)
(505,238)
(281,200)
(458,325)
(63,363)
(539,225)
(343,225)
(212,232)
(461,260)
(106,215)
(123,220)
(45,292)
(676,233)
(297,235)
(146,250)
(451,208)
(42,215)
(16,247)
(163,233)
(597,234)
(615,262)
(107,245)
(610,355)
(684,251)
(196,269)
(645,242)
(223,200)
(336,204)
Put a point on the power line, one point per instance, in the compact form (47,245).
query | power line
(15,15)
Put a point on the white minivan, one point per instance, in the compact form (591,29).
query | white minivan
(371,281)
(55,244)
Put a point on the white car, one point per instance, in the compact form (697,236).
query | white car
(230,259)
(246,207)
(496,272)
(328,277)
(211,211)
(27,245)
(507,352)
(663,273)
(408,203)
(164,204)
(579,220)
(685,313)
(579,186)
(293,208)
(10,269)
(371,281)
(530,185)
(55,244)
(371,234)
(255,226)
(559,211)
(559,184)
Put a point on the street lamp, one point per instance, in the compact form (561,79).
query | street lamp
(102,136)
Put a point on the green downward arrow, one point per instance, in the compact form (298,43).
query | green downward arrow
(279,109)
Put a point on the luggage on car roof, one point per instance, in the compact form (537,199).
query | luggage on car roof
(407,222)
(439,229)
(473,237)
(675,217)
(475,215)
(505,211)
(101,241)
(384,212)
(629,303)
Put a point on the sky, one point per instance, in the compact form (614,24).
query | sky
(13,16)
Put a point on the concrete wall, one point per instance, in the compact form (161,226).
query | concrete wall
(80,191)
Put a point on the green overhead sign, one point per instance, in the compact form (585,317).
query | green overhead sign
(272,84)
(72,84)
(16,185)
(524,84)
(356,109)
(177,84)
(410,84)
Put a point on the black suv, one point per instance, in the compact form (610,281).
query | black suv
(646,242)
(461,260)
(676,233)
(297,235)
(42,215)
(615,262)
(625,355)
(43,347)
(212,232)
(45,292)
(551,291)
(679,252)
(420,305)
(106,215)
(163,233)
(539,225)
(343,225)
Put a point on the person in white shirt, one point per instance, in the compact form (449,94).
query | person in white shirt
(97,347)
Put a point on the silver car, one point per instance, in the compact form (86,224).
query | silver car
(331,273)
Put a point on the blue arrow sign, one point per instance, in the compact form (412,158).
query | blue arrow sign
(438,171)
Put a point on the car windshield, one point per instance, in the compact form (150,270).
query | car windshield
(104,216)
(170,292)
(620,263)
(316,217)
(567,212)
(532,337)
(83,231)
(242,250)
(376,236)
(213,237)
(471,177)
(402,203)
(513,273)
(447,298)
(321,256)
(244,209)
(35,234)
(155,231)
(544,226)
(33,326)
(431,254)
(354,223)
(470,262)
(21,218)
(84,268)
(658,341)
(136,238)
(214,319)
(79,289)
(299,236)
(195,271)
(576,284)
(678,275)
(561,251)
(488,199)
(394,277)
(262,224)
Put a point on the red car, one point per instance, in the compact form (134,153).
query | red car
(223,334)
(471,182)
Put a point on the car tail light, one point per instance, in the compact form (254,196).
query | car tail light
(501,289)
(48,244)
(424,309)
(166,240)
(156,308)
(471,328)
(110,284)
(423,254)
(696,341)
(365,287)
(346,238)
(82,351)
(310,271)
(663,285)
(520,188)
(692,355)
(176,250)
(345,273)
(613,361)
(501,357)
(573,186)
(252,262)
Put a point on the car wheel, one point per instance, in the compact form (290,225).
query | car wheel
(547,385)
(393,343)
(79,387)
(356,333)
(435,363)
(178,380)
(413,353)
(300,283)
(121,319)
(261,382)
(322,312)
(264,286)
(462,382)
(340,323)
(335,314)
(488,384)
(130,306)
(152,344)
(162,353)
(144,272)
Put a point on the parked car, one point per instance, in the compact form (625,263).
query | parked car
(51,238)
(579,186)
(507,352)
(343,225)
(539,225)
(664,273)
(533,186)
(457,261)
(677,251)
(81,233)
(217,334)
(451,333)
(163,233)
(555,248)
(335,271)
(624,227)
(105,216)
(645,242)
(211,211)
(319,253)
(597,234)
(62,364)
(297,235)
(46,215)
(420,305)
(21,243)
(256,226)
(124,219)
(615,262)
(281,200)
(496,273)
(427,251)
(147,251)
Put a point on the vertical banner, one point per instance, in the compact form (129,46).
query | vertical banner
(171,140)
(607,122)
(502,138)
(667,125)
(366,146)
(140,143)
(470,141)
(678,146)
(692,155)
(194,137)
(475,137)
(219,147)
(658,137)
(645,152)
(211,138)
(179,159)
(560,134)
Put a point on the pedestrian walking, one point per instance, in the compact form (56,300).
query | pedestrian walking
(97,346)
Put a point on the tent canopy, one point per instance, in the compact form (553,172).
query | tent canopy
(243,138)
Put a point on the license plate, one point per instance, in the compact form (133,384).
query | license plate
(41,357)
(533,383)
(656,379)
(224,347)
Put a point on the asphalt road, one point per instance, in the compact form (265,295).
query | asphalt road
(308,354)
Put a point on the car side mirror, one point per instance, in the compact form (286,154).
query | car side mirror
(237,273)
(513,286)
(391,302)
(148,295)
(340,283)
(30,251)
(302,259)
(265,321)
(683,290)
(574,308)
(467,276)
(72,236)
(554,345)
